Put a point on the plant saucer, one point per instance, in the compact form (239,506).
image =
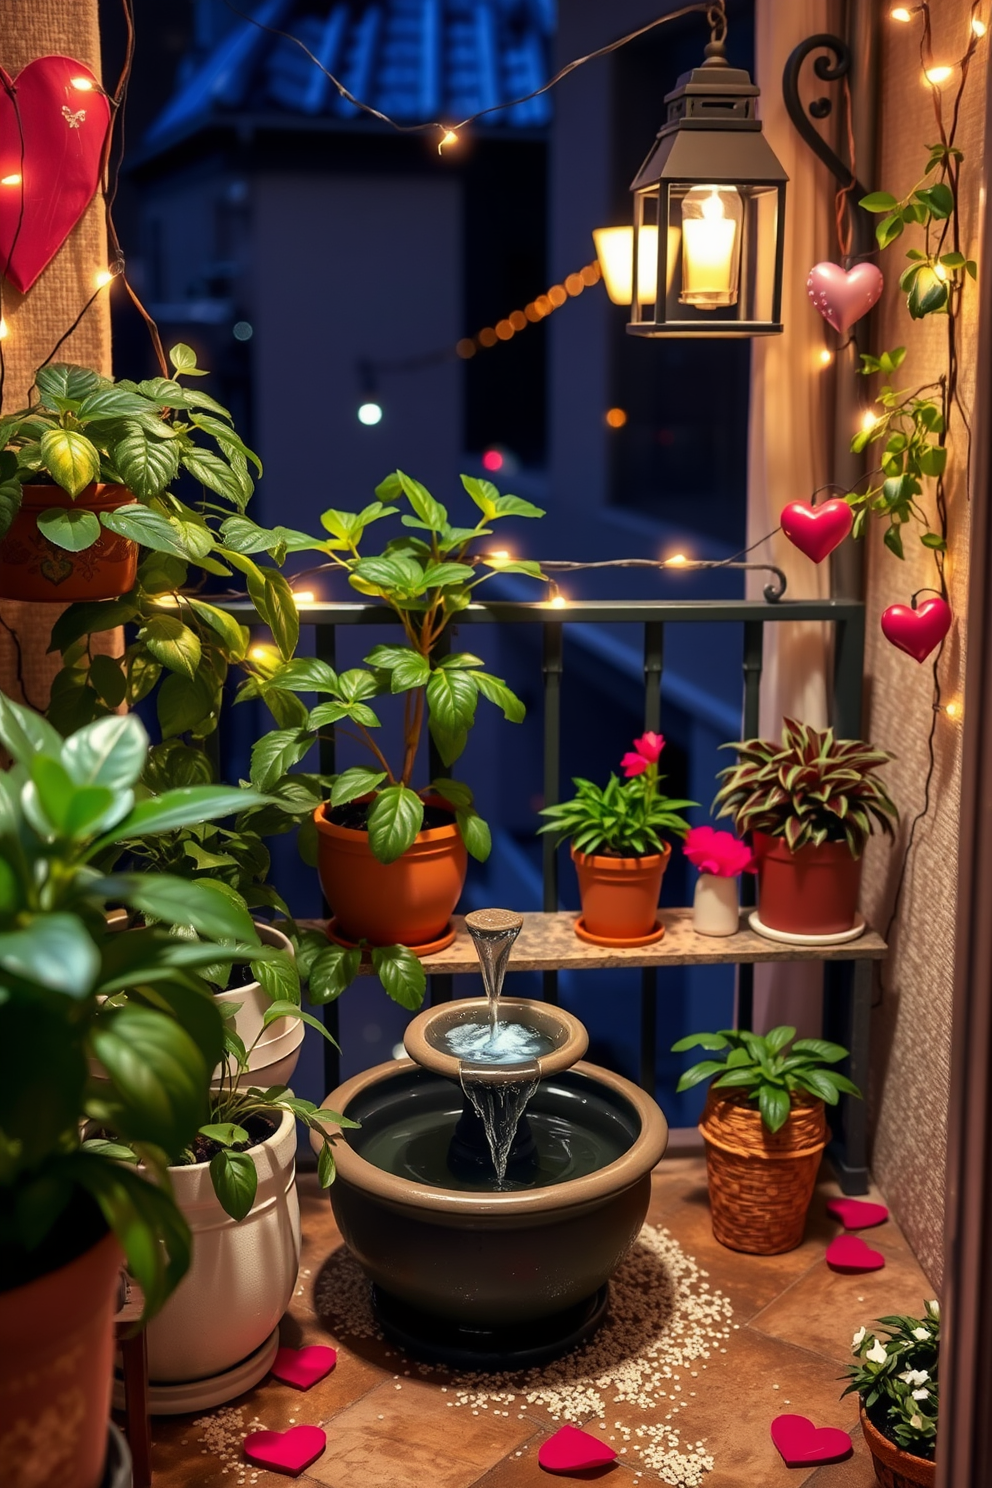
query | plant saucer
(620,942)
(787,938)
(429,948)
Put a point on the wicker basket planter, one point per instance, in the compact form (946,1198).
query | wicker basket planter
(761,1182)
(895,1468)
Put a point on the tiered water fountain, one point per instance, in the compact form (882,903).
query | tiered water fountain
(497,1181)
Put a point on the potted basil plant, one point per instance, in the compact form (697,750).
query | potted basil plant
(896,1379)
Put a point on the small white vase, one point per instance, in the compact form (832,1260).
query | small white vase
(715,910)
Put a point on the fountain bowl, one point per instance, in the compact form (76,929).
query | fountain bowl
(424,1036)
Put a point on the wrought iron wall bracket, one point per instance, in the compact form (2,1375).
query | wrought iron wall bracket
(862,225)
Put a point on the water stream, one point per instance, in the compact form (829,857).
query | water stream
(500,1102)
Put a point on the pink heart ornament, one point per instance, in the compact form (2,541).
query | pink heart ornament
(304,1367)
(857,1214)
(817,530)
(801,1443)
(571,1450)
(919,631)
(285,1451)
(849,1254)
(842,296)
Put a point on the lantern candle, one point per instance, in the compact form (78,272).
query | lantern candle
(710,239)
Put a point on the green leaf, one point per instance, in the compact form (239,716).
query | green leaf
(151,529)
(109,752)
(11,497)
(146,465)
(55,951)
(70,459)
(455,792)
(325,1166)
(394,821)
(235,1182)
(705,1070)
(107,676)
(184,807)
(928,294)
(496,690)
(452,697)
(111,403)
(273,599)
(277,752)
(69,528)
(306,674)
(278,1010)
(235,637)
(401,974)
(199,903)
(74,812)
(774,1105)
(172,643)
(878,201)
(515,506)
(935,541)
(157,1078)
(938,199)
(777,1038)
(355,782)
(475,834)
(407,667)
(892,537)
(889,229)
(63,380)
(183,704)
(277,975)
(332,972)
(218,476)
(423,503)
(183,358)
(24,733)
(820,1049)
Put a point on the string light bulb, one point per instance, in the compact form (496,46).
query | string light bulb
(370,414)
(303,596)
(978,26)
(868,420)
(825,356)
(940,271)
(83,84)
(11,180)
(953,710)
(4,329)
(616,417)
(937,75)
(103,278)
(449,137)
(676,560)
(900,13)
(557,601)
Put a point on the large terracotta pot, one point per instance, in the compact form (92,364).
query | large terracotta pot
(620,895)
(33,568)
(761,1182)
(56,1362)
(895,1468)
(273,1058)
(810,892)
(409,902)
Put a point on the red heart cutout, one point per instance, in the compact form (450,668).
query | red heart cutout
(919,631)
(571,1450)
(802,1443)
(286,1451)
(65,128)
(304,1367)
(850,1254)
(842,297)
(817,530)
(857,1214)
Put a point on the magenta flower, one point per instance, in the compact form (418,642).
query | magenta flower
(634,764)
(645,752)
(718,852)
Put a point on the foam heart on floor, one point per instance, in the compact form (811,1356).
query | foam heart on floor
(857,1214)
(802,1444)
(285,1451)
(817,530)
(303,1367)
(850,1254)
(571,1450)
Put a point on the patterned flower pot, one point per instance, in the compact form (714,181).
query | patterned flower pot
(895,1468)
(33,568)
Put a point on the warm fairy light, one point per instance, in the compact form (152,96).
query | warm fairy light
(937,75)
(616,417)
(259,653)
(492,460)
(83,84)
(825,357)
(953,710)
(900,13)
(166,601)
(557,294)
(303,596)
(448,138)
(504,330)
(979,27)
(487,337)
(466,347)
(558,601)
(868,420)
(3,329)
(104,277)
(501,555)
(940,271)
(518,320)
(676,560)
(14,180)
(575,284)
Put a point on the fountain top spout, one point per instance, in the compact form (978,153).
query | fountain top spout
(490,923)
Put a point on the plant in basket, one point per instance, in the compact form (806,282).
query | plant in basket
(619,852)
(765,1130)
(896,1381)
(810,804)
(721,858)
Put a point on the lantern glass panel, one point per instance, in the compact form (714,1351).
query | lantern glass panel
(712,218)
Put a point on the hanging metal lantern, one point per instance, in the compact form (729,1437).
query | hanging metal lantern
(709,214)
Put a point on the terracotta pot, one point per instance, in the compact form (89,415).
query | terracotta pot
(761,1182)
(33,568)
(895,1468)
(408,902)
(810,892)
(56,1367)
(620,895)
(273,1058)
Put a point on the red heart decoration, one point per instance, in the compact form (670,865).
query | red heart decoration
(571,1450)
(843,296)
(802,1443)
(857,1214)
(817,530)
(304,1367)
(851,1255)
(919,631)
(286,1451)
(65,128)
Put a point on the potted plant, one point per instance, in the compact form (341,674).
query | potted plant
(765,1130)
(896,1381)
(84,477)
(810,805)
(68,1205)
(721,858)
(619,854)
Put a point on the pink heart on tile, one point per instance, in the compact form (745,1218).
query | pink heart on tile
(304,1367)
(571,1450)
(850,1254)
(801,1443)
(286,1451)
(857,1214)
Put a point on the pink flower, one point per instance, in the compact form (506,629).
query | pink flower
(718,852)
(645,752)
(634,764)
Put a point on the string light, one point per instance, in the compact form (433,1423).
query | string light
(825,357)
(103,278)
(868,420)
(616,417)
(83,84)
(538,309)
(557,601)
(370,413)
(900,13)
(979,27)
(952,710)
(937,75)
(676,560)
(13,180)
(940,271)
(448,138)
(501,555)
(260,653)
(4,329)
(304,596)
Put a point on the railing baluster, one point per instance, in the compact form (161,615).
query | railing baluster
(754,632)
(552,661)
(849,661)
(325,647)
(654,660)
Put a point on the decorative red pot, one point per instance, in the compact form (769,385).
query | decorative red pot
(810,892)
(409,902)
(620,895)
(35,569)
(56,1371)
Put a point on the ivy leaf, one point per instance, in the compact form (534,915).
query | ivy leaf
(878,201)
(172,643)
(935,541)
(423,503)
(496,690)
(186,704)
(892,537)
(938,199)
(277,752)
(888,230)
(71,459)
(234,636)
(355,782)
(149,528)
(332,972)
(108,678)
(218,476)
(475,834)
(69,527)
(273,599)
(145,465)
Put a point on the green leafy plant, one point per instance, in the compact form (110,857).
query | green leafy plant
(620,819)
(811,788)
(77,994)
(768,1070)
(896,1377)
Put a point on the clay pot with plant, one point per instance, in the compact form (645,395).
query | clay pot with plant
(810,804)
(71,1207)
(896,1379)
(765,1130)
(392,858)
(619,853)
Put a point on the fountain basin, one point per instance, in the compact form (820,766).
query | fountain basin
(454,1254)
(563,1040)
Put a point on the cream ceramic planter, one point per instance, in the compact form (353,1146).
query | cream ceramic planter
(273,1059)
(241,1277)
(715,907)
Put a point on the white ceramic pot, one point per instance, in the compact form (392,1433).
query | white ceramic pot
(241,1277)
(715,907)
(273,1059)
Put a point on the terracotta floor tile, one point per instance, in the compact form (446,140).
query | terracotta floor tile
(857,1472)
(522,1470)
